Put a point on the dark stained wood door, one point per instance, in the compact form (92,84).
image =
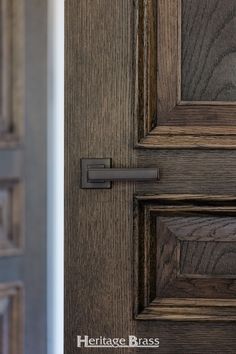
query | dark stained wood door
(23,119)
(152,83)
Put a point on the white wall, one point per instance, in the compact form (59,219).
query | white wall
(55,175)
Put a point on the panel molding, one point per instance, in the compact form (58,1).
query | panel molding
(11,218)
(162,292)
(11,318)
(162,117)
(12,68)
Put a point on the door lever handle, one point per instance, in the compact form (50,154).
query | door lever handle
(97,173)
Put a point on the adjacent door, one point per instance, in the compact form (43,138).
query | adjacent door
(23,177)
(152,83)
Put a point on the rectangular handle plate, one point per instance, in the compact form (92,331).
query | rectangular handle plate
(97,173)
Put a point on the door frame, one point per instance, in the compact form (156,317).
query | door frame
(55,178)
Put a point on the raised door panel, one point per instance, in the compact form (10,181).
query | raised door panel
(11,218)
(185,258)
(11,72)
(208,54)
(185,245)
(11,319)
(186,76)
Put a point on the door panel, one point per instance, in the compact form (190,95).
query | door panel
(12,218)
(12,69)
(208,61)
(22,177)
(104,99)
(182,80)
(11,318)
(185,258)
(151,259)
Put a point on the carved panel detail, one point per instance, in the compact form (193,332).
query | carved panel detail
(11,218)
(185,100)
(11,319)
(176,279)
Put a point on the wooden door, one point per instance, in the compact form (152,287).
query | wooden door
(152,83)
(22,177)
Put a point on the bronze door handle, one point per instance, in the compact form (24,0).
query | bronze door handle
(97,173)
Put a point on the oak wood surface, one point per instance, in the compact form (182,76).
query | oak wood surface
(100,120)
(98,275)
(208,50)
(165,40)
(221,262)
(163,269)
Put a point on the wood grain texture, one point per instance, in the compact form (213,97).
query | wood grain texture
(175,338)
(203,228)
(189,172)
(172,310)
(166,257)
(164,39)
(190,259)
(157,55)
(206,288)
(146,66)
(98,231)
(194,259)
(208,50)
